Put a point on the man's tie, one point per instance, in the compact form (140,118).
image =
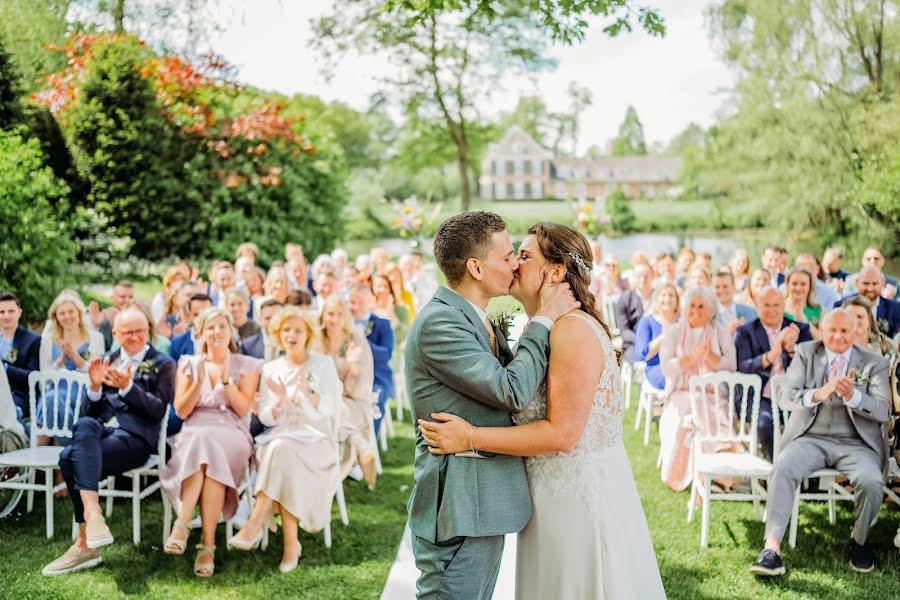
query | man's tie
(837,368)
(490,329)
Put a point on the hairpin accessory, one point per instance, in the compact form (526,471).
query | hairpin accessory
(580,262)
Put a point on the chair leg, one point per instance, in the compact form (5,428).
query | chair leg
(832,495)
(637,418)
(136,510)
(32,477)
(383,434)
(111,484)
(659,458)
(328,535)
(167,517)
(342,504)
(754,484)
(48,474)
(795,516)
(707,500)
(647,412)
(693,501)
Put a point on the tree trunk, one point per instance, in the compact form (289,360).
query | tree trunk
(118,14)
(463,163)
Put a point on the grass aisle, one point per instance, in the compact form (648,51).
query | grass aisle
(358,563)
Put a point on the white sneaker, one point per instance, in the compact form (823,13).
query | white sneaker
(897,538)
(355,473)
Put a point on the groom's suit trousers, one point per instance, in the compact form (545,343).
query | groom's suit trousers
(462,568)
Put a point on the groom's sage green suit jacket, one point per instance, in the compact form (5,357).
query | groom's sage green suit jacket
(450,368)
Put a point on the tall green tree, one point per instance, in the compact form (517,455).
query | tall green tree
(446,51)
(630,139)
(10,100)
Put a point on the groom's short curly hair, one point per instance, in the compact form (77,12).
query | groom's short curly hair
(464,236)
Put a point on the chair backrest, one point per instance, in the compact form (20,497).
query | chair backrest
(55,401)
(609,315)
(708,393)
(776,382)
(163,433)
(8,418)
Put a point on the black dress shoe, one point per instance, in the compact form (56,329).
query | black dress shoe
(862,559)
(768,564)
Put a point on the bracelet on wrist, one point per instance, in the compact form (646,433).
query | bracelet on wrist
(472,439)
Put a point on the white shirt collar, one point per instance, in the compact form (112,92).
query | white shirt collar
(124,358)
(481,313)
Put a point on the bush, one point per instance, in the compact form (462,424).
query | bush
(621,215)
(35,248)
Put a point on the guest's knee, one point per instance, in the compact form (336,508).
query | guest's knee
(870,484)
(87,426)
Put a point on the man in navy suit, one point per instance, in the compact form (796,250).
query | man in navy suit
(771,261)
(134,385)
(380,335)
(730,314)
(765,346)
(870,283)
(184,343)
(19,351)
(630,308)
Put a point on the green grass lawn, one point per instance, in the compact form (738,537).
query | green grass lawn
(358,563)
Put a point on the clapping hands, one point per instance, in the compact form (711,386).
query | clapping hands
(100,373)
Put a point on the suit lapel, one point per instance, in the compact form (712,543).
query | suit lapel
(504,354)
(820,366)
(453,299)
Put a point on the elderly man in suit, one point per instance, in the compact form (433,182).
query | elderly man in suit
(765,347)
(630,308)
(456,361)
(380,336)
(19,351)
(130,391)
(838,396)
(870,282)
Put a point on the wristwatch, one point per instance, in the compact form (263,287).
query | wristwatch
(228,381)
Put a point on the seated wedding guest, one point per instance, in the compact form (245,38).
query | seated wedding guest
(380,336)
(214,391)
(695,345)
(253,283)
(363,266)
(340,340)
(638,258)
(121,297)
(339,258)
(298,467)
(301,298)
(870,283)
(730,314)
(697,277)
(276,287)
(19,351)
(823,294)
(783,259)
(686,258)
(69,345)
(299,275)
(663,269)
(322,264)
(325,286)
(759,279)
(293,251)
(402,296)
(799,302)
(261,345)
(243,266)
(610,285)
(249,251)
(838,397)
(385,305)
(630,308)
(177,317)
(831,262)
(158,304)
(224,281)
(865,333)
(771,262)
(188,341)
(648,333)
(872,257)
(596,251)
(131,387)
(379,257)
(238,304)
(740,268)
(765,346)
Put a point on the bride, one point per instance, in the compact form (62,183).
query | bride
(587,538)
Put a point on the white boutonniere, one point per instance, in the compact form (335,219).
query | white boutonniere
(146,367)
(369,326)
(12,356)
(884,326)
(690,424)
(862,377)
(85,354)
(503,321)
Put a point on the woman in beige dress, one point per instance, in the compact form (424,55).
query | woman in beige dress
(353,359)
(297,457)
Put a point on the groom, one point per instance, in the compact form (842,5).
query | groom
(458,362)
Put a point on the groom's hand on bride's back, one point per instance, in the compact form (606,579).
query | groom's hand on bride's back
(556,299)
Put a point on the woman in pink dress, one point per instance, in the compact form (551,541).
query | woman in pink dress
(214,391)
(695,345)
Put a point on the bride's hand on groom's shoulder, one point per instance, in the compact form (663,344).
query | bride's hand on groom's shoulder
(448,435)
(556,299)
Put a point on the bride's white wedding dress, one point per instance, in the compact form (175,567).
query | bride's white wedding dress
(588,538)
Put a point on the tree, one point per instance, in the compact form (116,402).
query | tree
(36,254)
(630,140)
(27,28)
(446,51)
(621,215)
(10,101)
(692,136)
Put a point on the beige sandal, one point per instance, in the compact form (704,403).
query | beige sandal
(205,568)
(174,545)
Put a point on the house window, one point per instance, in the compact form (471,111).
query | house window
(537,190)
(520,167)
(527,167)
(487,191)
(560,190)
(537,167)
(493,167)
(580,191)
(499,191)
(510,191)
(519,190)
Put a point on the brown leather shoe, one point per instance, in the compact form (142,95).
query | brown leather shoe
(74,559)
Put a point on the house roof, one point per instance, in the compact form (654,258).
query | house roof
(619,168)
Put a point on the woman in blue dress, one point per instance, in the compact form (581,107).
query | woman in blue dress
(648,332)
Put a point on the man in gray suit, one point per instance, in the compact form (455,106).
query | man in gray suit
(839,396)
(458,362)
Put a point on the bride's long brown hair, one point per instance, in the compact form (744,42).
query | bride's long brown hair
(556,243)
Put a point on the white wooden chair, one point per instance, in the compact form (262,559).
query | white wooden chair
(626,371)
(376,412)
(151,468)
(830,490)
(648,397)
(45,458)
(9,497)
(709,427)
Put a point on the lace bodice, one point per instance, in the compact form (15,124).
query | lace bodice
(566,471)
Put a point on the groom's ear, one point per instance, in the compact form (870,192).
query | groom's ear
(474,269)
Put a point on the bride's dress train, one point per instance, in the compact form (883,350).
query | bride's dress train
(588,538)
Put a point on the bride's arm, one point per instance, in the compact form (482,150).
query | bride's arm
(571,385)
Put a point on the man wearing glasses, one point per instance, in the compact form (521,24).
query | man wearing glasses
(129,392)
